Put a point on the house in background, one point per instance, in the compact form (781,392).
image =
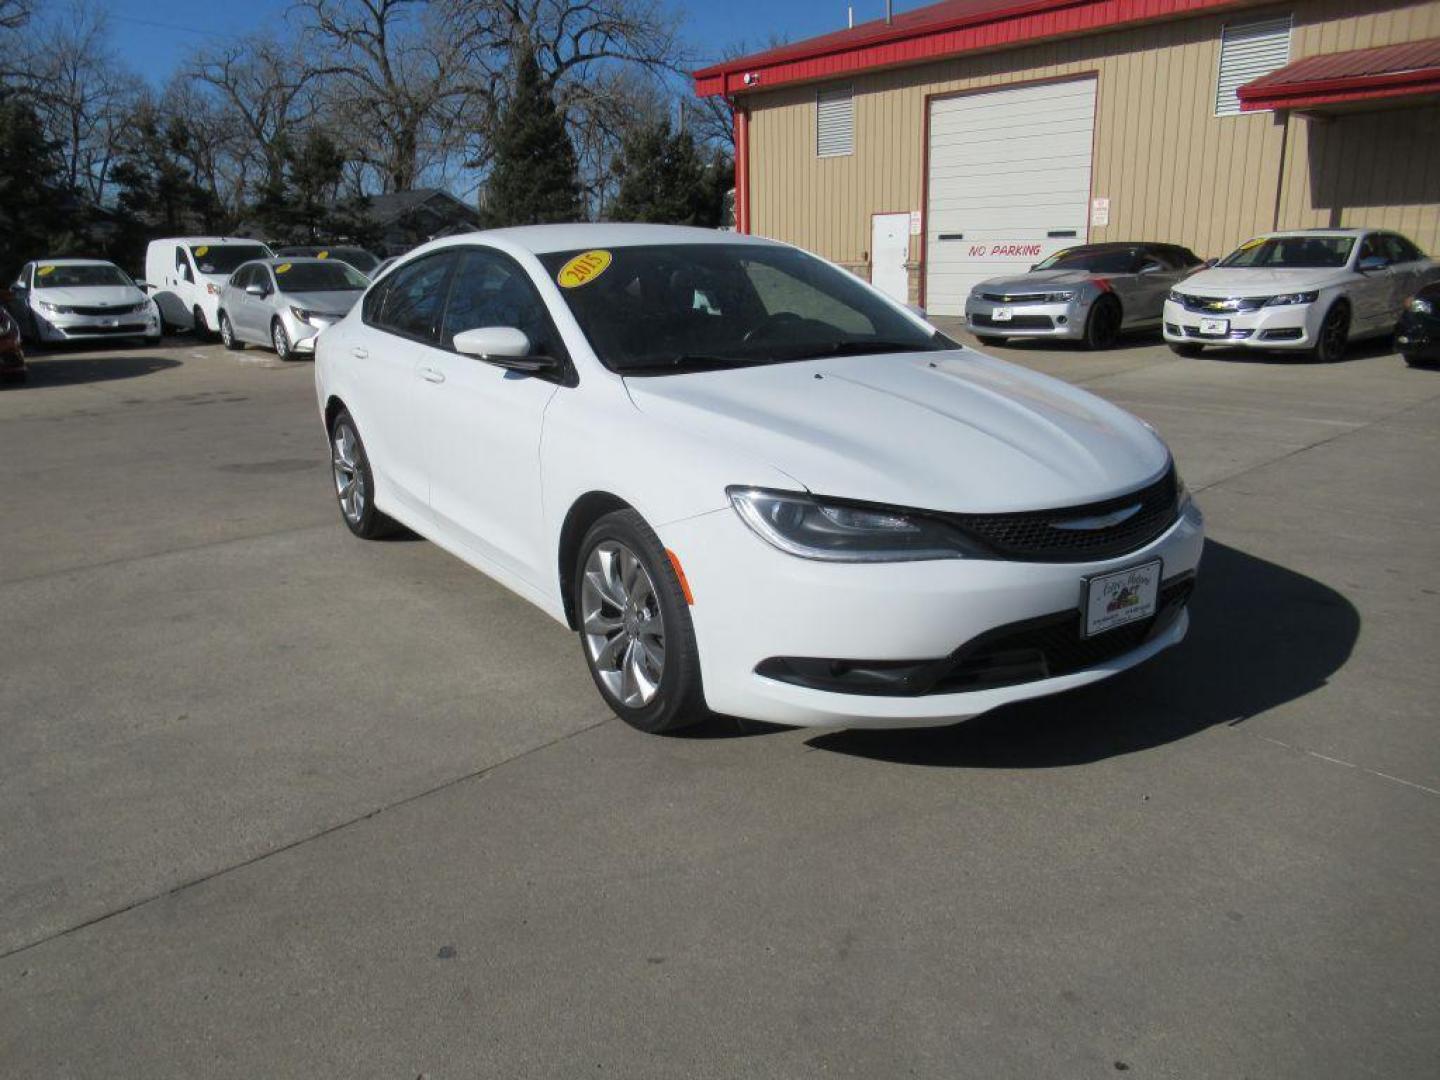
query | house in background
(972,138)
(403,219)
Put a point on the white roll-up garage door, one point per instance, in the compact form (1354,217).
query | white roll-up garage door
(1009,183)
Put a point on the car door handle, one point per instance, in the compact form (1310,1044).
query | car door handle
(430,374)
(359,353)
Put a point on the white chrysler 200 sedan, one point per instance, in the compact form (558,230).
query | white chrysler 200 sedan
(749,481)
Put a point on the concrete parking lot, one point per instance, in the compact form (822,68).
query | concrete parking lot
(276,802)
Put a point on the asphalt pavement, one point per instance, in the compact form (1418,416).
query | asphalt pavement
(275,802)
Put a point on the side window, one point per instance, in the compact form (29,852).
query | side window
(25,278)
(243,277)
(182,265)
(1370,248)
(491,289)
(1400,250)
(415,297)
(1154,258)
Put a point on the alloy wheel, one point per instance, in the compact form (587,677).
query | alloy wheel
(349,476)
(227,332)
(622,623)
(281,340)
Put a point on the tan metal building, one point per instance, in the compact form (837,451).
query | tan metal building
(973,137)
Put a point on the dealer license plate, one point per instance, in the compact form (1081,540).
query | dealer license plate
(1001,314)
(1123,597)
(1214,327)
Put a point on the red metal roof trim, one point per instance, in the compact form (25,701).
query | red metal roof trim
(1358,75)
(931,33)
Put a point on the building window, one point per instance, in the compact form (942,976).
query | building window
(1249,50)
(835,122)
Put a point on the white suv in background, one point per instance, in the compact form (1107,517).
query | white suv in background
(1309,291)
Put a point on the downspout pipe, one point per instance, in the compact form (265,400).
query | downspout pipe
(742,167)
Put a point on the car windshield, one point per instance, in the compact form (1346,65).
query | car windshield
(687,307)
(359,258)
(225,258)
(1093,260)
(79,276)
(318,277)
(1292,253)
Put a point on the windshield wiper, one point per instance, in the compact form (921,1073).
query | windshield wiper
(862,348)
(691,361)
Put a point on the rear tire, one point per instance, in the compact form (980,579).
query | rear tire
(1190,352)
(1102,325)
(635,629)
(1334,335)
(354,482)
(227,333)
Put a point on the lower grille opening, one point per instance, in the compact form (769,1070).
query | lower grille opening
(1023,652)
(1288,334)
(1015,322)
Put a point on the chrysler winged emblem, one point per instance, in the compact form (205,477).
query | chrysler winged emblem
(1097,521)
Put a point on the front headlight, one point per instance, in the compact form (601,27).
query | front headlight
(56,309)
(1420,305)
(303,315)
(1058,297)
(1285,299)
(803,526)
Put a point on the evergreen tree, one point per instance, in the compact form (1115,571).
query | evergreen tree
(534,179)
(157,188)
(31,192)
(665,180)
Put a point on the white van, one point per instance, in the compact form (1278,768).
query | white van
(185,275)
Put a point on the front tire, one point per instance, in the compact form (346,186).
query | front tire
(281,340)
(227,333)
(354,482)
(1102,325)
(1334,336)
(201,327)
(635,627)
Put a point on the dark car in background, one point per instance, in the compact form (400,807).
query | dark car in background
(1417,334)
(1091,293)
(12,356)
(357,257)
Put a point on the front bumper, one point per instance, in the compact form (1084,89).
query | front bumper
(1058,320)
(1418,335)
(58,328)
(303,334)
(1291,326)
(754,603)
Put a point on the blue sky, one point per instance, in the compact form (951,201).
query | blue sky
(157,36)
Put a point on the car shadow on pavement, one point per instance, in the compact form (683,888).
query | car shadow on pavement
(57,369)
(1369,349)
(1260,636)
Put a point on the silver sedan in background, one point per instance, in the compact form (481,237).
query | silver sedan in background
(285,303)
(1091,293)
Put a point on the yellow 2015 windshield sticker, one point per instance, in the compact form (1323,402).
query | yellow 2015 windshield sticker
(583,269)
(322,254)
(201,250)
(1248,244)
(44,270)
(283,268)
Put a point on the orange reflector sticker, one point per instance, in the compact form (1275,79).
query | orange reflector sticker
(680,574)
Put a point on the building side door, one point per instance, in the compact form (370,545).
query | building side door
(890,255)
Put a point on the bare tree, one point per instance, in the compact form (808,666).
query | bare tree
(267,93)
(14,13)
(400,83)
(82,94)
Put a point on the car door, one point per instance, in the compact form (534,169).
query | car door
(1155,275)
(259,310)
(483,422)
(402,317)
(1411,269)
(1372,295)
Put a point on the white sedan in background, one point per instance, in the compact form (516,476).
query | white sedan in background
(1309,292)
(63,300)
(751,482)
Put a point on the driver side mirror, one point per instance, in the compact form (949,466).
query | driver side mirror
(503,346)
(1372,262)
(19,288)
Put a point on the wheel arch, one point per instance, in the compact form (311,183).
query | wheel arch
(583,513)
(334,406)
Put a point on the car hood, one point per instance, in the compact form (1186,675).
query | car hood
(954,431)
(1021,282)
(92,296)
(331,303)
(1239,281)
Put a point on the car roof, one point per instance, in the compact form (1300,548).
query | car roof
(73,262)
(545,239)
(292,260)
(1321,233)
(206,240)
